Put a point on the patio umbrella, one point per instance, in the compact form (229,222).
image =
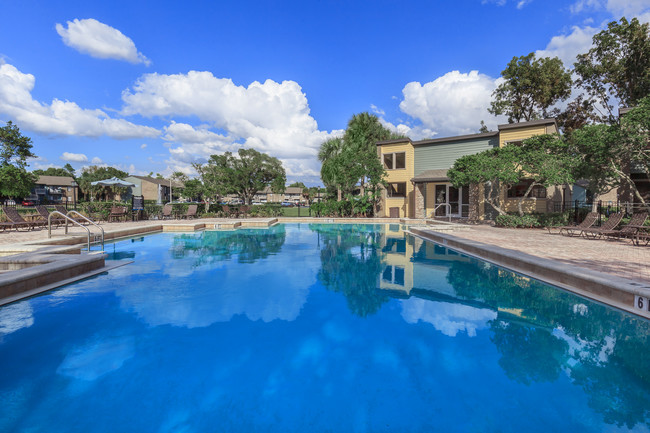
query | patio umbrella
(113,181)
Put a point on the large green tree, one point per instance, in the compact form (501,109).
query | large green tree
(607,152)
(15,181)
(544,160)
(351,161)
(95,173)
(332,170)
(244,174)
(617,67)
(531,86)
(53,171)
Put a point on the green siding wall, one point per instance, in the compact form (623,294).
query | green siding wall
(443,155)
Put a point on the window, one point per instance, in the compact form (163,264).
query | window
(397,189)
(520,189)
(394,275)
(394,161)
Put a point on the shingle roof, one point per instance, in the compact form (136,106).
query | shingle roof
(439,175)
(456,138)
(526,124)
(54,180)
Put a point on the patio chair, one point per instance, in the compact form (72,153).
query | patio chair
(229,211)
(243,211)
(609,225)
(589,221)
(629,230)
(117,213)
(45,214)
(17,221)
(191,212)
(64,211)
(167,212)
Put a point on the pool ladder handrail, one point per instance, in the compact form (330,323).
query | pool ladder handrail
(448,209)
(67,218)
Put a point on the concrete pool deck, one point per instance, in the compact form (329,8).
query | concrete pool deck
(608,261)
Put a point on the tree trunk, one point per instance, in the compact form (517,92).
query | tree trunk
(524,197)
(491,200)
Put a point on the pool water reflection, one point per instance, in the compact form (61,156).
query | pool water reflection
(317,328)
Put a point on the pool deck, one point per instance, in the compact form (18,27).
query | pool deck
(608,261)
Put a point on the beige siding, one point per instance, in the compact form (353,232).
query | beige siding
(520,134)
(530,205)
(405,205)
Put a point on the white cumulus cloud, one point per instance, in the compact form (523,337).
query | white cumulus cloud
(74,157)
(567,47)
(99,40)
(59,117)
(270,117)
(97,160)
(453,104)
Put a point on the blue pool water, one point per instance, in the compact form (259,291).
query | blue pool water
(317,328)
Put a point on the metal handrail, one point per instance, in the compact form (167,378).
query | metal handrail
(90,221)
(433,214)
(67,218)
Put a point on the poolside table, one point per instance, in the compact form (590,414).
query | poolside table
(642,234)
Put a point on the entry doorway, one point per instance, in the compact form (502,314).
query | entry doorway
(451,201)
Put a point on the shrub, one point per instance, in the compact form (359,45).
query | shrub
(513,221)
(553,219)
(266,211)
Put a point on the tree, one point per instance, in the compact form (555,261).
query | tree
(332,164)
(483,128)
(246,174)
(52,171)
(297,185)
(578,113)
(351,160)
(617,67)
(15,148)
(544,160)
(530,88)
(310,194)
(496,168)
(607,151)
(95,173)
(71,172)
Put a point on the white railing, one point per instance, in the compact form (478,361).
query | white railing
(448,210)
(74,221)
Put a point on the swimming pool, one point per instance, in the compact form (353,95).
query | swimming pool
(324,328)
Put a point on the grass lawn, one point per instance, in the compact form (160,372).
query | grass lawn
(293,211)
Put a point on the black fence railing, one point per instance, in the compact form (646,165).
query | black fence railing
(579,209)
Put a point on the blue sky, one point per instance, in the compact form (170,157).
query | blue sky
(155,86)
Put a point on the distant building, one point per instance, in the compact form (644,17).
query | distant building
(153,189)
(54,189)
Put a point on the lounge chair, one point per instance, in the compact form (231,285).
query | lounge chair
(64,211)
(629,230)
(609,225)
(17,221)
(191,212)
(45,214)
(167,212)
(589,221)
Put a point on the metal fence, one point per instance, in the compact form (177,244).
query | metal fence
(579,209)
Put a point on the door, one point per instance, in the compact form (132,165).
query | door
(451,201)
(441,201)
